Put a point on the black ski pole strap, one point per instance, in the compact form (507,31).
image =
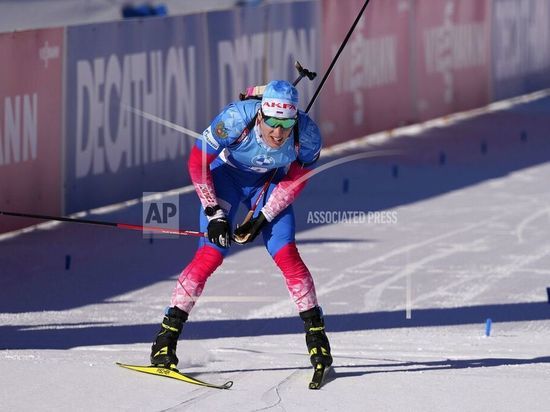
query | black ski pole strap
(244,133)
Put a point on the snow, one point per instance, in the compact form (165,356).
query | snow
(405,301)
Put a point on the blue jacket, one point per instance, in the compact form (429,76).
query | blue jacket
(251,153)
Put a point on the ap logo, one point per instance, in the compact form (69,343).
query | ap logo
(160,212)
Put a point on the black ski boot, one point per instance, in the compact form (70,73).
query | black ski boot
(316,339)
(163,351)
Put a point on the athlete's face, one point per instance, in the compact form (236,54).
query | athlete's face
(274,137)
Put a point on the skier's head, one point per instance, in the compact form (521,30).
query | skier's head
(280,99)
(278,113)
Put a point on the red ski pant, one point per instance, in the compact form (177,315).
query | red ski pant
(207,259)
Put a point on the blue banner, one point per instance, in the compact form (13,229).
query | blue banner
(118,76)
(252,45)
(520,47)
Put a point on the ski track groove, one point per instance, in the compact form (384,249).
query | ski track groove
(498,272)
(274,391)
(490,276)
(504,271)
(520,228)
(407,249)
(325,290)
(372,297)
(202,394)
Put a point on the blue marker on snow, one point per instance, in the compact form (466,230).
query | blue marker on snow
(488,324)
(67,262)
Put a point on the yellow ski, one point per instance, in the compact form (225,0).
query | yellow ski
(174,374)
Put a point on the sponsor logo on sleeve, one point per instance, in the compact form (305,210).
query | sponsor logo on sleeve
(207,134)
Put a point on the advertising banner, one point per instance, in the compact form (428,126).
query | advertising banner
(369,89)
(520,47)
(120,77)
(452,44)
(295,35)
(30,124)
(252,45)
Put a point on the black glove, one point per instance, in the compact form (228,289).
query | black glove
(219,232)
(248,231)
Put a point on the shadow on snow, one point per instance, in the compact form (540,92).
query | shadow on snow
(88,334)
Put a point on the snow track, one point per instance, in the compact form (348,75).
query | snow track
(405,302)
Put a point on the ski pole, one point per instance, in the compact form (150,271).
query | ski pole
(258,199)
(111,224)
(346,39)
(311,75)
